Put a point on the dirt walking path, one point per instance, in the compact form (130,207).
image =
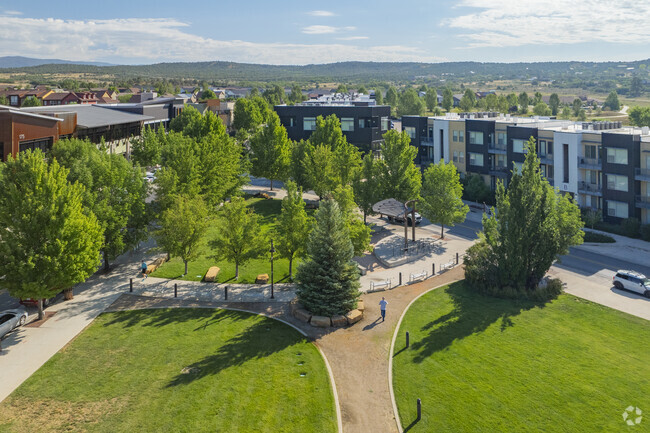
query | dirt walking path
(358,355)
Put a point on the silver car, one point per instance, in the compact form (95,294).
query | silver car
(10,319)
(632,281)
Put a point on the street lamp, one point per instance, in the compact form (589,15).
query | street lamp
(272,250)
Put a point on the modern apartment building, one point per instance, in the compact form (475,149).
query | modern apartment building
(603,165)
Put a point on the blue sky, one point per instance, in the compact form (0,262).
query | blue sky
(302,32)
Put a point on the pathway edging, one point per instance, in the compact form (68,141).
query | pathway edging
(392,351)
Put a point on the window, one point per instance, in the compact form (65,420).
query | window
(455,136)
(364,123)
(430,136)
(617,183)
(542,147)
(500,161)
(410,131)
(590,152)
(13,100)
(549,172)
(476,159)
(501,138)
(542,169)
(549,148)
(616,155)
(461,157)
(591,176)
(347,124)
(565,162)
(292,122)
(309,123)
(461,136)
(384,123)
(475,137)
(518,145)
(617,209)
(455,156)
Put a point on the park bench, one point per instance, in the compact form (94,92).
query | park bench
(416,277)
(446,266)
(380,284)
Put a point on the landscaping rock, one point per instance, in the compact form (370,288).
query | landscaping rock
(302,315)
(354,316)
(262,279)
(158,262)
(320,321)
(211,275)
(360,306)
(339,321)
(295,305)
(151,268)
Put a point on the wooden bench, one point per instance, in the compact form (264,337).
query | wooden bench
(211,275)
(379,284)
(417,277)
(262,279)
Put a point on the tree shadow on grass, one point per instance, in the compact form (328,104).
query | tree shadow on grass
(163,317)
(260,340)
(472,313)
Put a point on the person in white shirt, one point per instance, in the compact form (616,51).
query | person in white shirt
(382,307)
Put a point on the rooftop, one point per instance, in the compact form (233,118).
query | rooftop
(90,116)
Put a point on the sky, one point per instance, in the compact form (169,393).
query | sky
(310,32)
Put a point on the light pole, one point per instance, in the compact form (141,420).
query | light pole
(272,250)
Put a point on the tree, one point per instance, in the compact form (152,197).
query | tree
(554,103)
(379,99)
(391,97)
(410,103)
(582,115)
(270,151)
(359,232)
(541,109)
(636,86)
(113,189)
(577,106)
(342,88)
(639,116)
(612,101)
(4,100)
(592,217)
(347,158)
(292,231)
(502,104)
(538,98)
(182,226)
(366,184)
(447,99)
(566,113)
(328,279)
(187,117)
(431,98)
(300,155)
(320,170)
(534,224)
(296,95)
(49,241)
(442,193)
(398,176)
(239,238)
(513,102)
(491,101)
(476,189)
(468,101)
(31,101)
(208,94)
(362,90)
(524,102)
(146,150)
(247,114)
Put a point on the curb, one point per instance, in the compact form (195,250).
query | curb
(392,351)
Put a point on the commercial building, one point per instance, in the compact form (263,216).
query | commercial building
(363,123)
(603,165)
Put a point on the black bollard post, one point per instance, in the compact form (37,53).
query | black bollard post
(225,289)
(131,285)
(433,269)
(175,290)
(400,279)
(419,409)
(407,340)
(456,258)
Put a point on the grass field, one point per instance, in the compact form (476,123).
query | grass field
(125,374)
(269,210)
(483,364)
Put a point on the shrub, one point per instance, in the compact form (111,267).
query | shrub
(645,232)
(631,227)
(544,292)
(599,238)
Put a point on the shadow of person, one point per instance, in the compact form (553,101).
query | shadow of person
(373,324)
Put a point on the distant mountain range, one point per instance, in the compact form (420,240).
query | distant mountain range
(23,62)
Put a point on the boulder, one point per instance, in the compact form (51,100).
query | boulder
(360,306)
(302,315)
(158,262)
(262,279)
(339,321)
(354,316)
(211,275)
(295,305)
(320,321)
(151,268)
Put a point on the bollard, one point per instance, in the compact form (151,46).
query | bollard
(400,279)
(419,409)
(407,339)
(131,285)
(433,269)
(225,293)
(175,290)
(456,258)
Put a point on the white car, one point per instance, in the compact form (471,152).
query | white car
(400,219)
(632,281)
(11,319)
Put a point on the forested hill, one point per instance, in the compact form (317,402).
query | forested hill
(345,71)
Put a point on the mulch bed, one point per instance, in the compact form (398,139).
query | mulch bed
(37,323)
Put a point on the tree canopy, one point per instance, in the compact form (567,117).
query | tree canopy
(270,151)
(400,178)
(442,195)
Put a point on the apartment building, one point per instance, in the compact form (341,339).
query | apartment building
(603,165)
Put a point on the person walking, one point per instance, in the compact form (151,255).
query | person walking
(144,270)
(382,308)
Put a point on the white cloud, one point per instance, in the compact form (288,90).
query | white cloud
(321,30)
(11,13)
(321,13)
(510,23)
(352,38)
(152,40)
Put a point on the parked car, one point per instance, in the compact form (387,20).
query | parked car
(400,219)
(11,319)
(30,302)
(632,281)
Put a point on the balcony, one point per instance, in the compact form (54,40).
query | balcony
(546,159)
(642,201)
(499,171)
(642,174)
(496,148)
(590,163)
(590,188)
(426,142)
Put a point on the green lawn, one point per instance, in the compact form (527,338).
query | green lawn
(269,210)
(483,364)
(123,374)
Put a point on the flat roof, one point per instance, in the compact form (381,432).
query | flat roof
(92,116)
(19,112)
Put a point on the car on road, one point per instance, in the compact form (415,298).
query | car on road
(632,281)
(11,319)
(30,302)
(400,219)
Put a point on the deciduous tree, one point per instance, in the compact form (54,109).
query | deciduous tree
(554,103)
(442,195)
(367,185)
(399,177)
(612,102)
(359,232)
(468,101)
(447,99)
(431,98)
(270,151)
(293,226)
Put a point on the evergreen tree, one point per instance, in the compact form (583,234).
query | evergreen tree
(328,279)
(442,194)
(50,242)
(293,226)
(270,151)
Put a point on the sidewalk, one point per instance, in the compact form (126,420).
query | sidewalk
(627,249)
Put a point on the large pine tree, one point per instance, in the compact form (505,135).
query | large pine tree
(328,279)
